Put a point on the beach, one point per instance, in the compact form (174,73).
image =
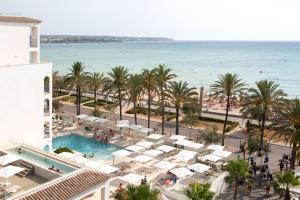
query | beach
(198,63)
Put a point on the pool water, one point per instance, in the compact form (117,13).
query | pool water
(41,160)
(85,145)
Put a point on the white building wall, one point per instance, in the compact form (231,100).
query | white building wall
(22,103)
(14,44)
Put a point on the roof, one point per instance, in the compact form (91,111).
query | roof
(69,187)
(14,19)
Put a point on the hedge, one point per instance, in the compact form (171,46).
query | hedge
(63,149)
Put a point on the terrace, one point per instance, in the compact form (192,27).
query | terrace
(169,163)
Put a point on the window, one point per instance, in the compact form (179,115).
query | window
(46,84)
(46,107)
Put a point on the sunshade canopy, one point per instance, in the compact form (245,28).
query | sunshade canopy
(143,158)
(9,171)
(135,148)
(198,167)
(145,144)
(153,152)
(132,178)
(122,153)
(215,147)
(181,172)
(155,136)
(165,165)
(222,153)
(211,157)
(165,148)
(177,137)
(9,158)
(107,169)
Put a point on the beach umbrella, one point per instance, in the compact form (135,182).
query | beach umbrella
(121,153)
(107,169)
(155,136)
(165,165)
(9,158)
(182,142)
(222,153)
(177,137)
(211,157)
(215,147)
(9,171)
(145,144)
(82,116)
(135,148)
(198,167)
(165,148)
(93,164)
(185,155)
(135,127)
(133,178)
(142,158)
(153,152)
(194,145)
(123,121)
(181,172)
(66,155)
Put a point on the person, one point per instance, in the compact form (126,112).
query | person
(268,187)
(51,168)
(106,139)
(269,175)
(145,179)
(85,155)
(249,188)
(59,171)
(93,155)
(281,165)
(254,169)
(266,160)
(19,150)
(120,188)
(142,181)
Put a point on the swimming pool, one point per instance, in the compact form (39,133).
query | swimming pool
(41,160)
(85,145)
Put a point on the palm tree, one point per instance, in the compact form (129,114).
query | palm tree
(228,85)
(57,107)
(96,83)
(179,93)
(263,99)
(76,78)
(210,135)
(287,124)
(116,83)
(134,86)
(191,112)
(285,180)
(198,191)
(143,192)
(237,169)
(57,83)
(163,75)
(149,84)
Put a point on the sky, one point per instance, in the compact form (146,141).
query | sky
(177,19)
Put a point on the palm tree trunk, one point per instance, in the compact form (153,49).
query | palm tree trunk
(134,110)
(163,112)
(287,194)
(149,107)
(120,104)
(79,99)
(177,121)
(235,189)
(293,156)
(226,119)
(95,97)
(262,132)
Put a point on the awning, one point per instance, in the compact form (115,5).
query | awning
(135,148)
(165,148)
(9,158)
(165,165)
(198,167)
(142,158)
(181,172)
(215,147)
(155,136)
(153,152)
(133,178)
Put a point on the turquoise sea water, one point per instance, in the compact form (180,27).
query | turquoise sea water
(199,63)
(85,145)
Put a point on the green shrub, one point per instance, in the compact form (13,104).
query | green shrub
(171,116)
(59,93)
(63,149)
(231,126)
(101,102)
(67,98)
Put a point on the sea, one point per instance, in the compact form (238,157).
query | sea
(197,62)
